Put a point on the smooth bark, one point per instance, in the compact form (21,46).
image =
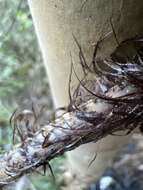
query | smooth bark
(89,20)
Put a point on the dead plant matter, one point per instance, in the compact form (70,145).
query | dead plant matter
(111,103)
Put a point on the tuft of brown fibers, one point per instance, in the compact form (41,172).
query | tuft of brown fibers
(110,103)
(118,84)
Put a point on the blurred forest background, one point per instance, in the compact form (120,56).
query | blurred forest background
(23,80)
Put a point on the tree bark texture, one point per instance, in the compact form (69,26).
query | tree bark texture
(56,21)
(102,116)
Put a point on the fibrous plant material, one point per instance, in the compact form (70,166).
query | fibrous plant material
(113,103)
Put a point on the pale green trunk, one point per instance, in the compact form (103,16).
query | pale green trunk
(55,22)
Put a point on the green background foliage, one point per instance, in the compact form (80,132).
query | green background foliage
(23,79)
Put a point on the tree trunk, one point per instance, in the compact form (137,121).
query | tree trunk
(56,22)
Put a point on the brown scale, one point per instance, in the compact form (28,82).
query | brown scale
(26,122)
